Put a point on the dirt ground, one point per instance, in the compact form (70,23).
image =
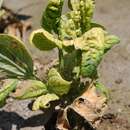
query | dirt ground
(114,70)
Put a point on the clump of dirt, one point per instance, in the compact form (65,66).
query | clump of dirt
(113,122)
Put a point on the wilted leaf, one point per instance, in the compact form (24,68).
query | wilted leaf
(30,89)
(44,40)
(4,93)
(14,58)
(44,101)
(57,84)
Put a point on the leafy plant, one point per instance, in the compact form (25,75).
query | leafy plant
(81,43)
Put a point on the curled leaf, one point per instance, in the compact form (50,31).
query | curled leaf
(51,15)
(93,44)
(69,27)
(87,9)
(30,89)
(4,93)
(98,44)
(92,39)
(57,84)
(43,40)
(44,100)
(15,60)
(78,20)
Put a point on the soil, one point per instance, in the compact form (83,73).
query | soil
(114,70)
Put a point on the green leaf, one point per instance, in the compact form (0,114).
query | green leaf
(56,84)
(51,15)
(30,89)
(44,101)
(15,60)
(8,66)
(4,93)
(43,40)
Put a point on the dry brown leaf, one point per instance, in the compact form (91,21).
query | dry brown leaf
(12,24)
(62,121)
(91,105)
(18,29)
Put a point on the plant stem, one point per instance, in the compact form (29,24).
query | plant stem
(61,60)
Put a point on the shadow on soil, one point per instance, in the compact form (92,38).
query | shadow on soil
(13,119)
(9,120)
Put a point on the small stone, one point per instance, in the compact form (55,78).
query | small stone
(57,108)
